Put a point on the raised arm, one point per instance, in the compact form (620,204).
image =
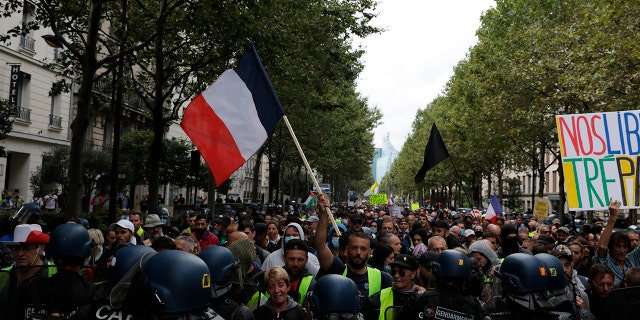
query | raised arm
(325,257)
(614,208)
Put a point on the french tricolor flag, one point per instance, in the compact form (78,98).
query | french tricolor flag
(230,120)
(494,208)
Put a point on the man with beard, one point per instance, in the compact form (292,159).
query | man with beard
(140,234)
(204,236)
(295,258)
(153,227)
(613,249)
(509,242)
(369,280)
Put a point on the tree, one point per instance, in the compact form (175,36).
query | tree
(54,171)
(6,122)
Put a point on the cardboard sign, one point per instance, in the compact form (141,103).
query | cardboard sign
(378,198)
(600,153)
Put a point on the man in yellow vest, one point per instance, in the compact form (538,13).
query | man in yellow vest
(295,258)
(399,300)
(369,280)
(18,283)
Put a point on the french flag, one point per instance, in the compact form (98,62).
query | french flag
(494,208)
(232,118)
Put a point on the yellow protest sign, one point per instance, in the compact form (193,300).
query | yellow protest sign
(378,198)
(541,208)
(415,206)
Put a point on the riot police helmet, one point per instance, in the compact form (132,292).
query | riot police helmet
(335,293)
(452,264)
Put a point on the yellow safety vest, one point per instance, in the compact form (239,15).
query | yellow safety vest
(374,277)
(386,301)
(4,274)
(302,290)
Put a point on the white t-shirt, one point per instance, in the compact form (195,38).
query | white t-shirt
(50,201)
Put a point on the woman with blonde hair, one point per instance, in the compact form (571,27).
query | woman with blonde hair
(279,306)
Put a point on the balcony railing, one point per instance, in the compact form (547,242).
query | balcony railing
(23,114)
(27,42)
(55,121)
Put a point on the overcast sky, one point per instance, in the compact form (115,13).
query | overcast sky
(409,64)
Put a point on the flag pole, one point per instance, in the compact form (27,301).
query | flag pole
(313,178)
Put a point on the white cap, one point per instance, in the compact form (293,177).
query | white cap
(124,223)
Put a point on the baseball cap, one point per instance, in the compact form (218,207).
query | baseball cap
(441,224)
(427,259)
(562,251)
(152,220)
(563,229)
(223,220)
(27,234)
(405,261)
(469,232)
(543,238)
(123,223)
(312,219)
(296,244)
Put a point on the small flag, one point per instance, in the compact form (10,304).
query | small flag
(493,210)
(372,189)
(434,153)
(230,120)
(311,200)
(392,200)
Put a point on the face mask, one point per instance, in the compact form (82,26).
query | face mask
(287,239)
(387,268)
(374,231)
(199,231)
(335,242)
(216,233)
(478,234)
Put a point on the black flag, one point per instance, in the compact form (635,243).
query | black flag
(434,153)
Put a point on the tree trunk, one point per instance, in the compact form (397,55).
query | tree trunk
(256,175)
(81,122)
(156,151)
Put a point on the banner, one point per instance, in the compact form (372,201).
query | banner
(378,198)
(541,208)
(600,154)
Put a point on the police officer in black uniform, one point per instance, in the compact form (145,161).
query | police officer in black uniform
(223,266)
(449,301)
(66,295)
(534,288)
(112,306)
(335,297)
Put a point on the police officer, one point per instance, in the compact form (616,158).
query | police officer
(18,283)
(177,286)
(222,266)
(66,294)
(108,306)
(399,300)
(335,297)
(448,301)
(534,287)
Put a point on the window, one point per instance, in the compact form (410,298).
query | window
(55,121)
(27,42)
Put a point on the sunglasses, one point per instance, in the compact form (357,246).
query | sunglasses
(357,221)
(401,272)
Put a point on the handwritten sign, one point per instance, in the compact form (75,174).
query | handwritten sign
(600,153)
(541,208)
(378,198)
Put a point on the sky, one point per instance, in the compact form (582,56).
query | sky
(409,64)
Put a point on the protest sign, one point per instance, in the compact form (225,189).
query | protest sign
(600,154)
(378,198)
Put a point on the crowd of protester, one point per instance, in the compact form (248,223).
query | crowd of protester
(321,262)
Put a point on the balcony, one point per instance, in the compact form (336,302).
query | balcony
(55,122)
(23,114)
(28,44)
